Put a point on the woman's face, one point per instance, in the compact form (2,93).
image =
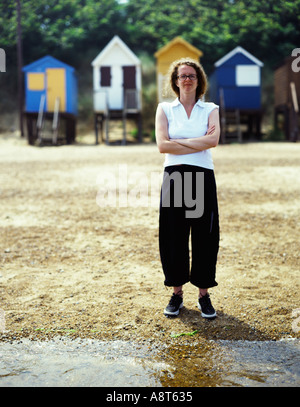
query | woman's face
(188,85)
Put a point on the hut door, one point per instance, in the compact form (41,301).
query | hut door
(129,77)
(56,88)
(129,83)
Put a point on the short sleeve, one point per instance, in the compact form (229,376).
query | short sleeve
(165,108)
(210,107)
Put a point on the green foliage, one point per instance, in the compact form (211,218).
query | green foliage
(274,134)
(68,28)
(149,93)
(62,28)
(268,29)
(185,334)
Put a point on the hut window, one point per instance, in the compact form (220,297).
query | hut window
(247,75)
(35,81)
(105,77)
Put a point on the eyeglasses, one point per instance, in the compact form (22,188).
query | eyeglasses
(184,77)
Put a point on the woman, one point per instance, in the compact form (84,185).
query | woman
(186,130)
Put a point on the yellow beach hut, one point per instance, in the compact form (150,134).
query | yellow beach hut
(175,49)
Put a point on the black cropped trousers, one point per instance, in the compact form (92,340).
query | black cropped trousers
(189,207)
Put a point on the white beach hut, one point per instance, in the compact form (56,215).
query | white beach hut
(117,82)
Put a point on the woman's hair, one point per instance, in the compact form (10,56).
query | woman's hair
(202,79)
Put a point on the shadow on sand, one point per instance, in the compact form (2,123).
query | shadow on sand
(223,327)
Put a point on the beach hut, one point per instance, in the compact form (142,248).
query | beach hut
(235,85)
(50,96)
(287,98)
(117,83)
(173,50)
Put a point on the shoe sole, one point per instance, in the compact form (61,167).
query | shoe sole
(175,313)
(208,316)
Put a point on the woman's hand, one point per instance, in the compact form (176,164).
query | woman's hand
(210,130)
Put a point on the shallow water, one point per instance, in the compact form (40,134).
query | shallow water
(83,362)
(270,363)
(79,362)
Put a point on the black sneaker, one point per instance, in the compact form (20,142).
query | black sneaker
(176,302)
(204,304)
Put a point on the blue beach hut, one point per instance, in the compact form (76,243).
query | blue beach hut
(235,85)
(50,77)
(238,73)
(50,93)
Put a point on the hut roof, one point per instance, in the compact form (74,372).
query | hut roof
(47,60)
(178,40)
(237,50)
(116,40)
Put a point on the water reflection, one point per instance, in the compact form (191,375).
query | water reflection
(262,363)
(84,362)
(236,363)
(78,362)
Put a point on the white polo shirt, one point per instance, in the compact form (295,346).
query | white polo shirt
(180,126)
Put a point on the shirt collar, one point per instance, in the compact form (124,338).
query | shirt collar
(176,102)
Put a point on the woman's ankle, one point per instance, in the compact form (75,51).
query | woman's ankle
(202,292)
(178,291)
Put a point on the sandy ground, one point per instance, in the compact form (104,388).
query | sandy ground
(72,266)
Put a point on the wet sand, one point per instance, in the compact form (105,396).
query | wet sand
(71,266)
